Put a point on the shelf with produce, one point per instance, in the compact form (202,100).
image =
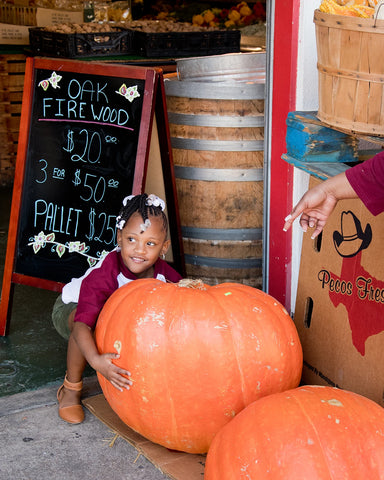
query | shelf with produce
(209,14)
(247,17)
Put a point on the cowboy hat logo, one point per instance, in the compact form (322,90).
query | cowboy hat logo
(352,239)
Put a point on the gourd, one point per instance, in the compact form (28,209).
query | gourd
(354,10)
(197,356)
(308,433)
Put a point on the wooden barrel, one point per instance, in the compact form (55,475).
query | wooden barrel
(217,137)
(351,72)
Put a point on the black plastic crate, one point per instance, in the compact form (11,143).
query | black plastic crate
(181,44)
(70,45)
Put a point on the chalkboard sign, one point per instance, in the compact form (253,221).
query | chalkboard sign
(83,146)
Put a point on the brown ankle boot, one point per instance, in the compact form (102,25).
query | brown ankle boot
(70,413)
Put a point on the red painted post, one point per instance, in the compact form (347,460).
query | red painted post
(286,23)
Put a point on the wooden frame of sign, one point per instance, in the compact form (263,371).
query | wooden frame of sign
(84,141)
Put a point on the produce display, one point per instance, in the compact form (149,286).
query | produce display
(350,8)
(163,26)
(144,25)
(238,16)
(197,356)
(151,26)
(70,28)
(308,433)
(167,29)
(112,12)
(235,16)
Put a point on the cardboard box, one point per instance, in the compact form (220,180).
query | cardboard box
(339,310)
(176,465)
(47,16)
(37,16)
(13,34)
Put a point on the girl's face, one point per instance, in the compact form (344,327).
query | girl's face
(139,249)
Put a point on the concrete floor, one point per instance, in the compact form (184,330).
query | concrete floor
(36,444)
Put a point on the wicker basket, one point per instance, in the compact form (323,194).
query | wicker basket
(351,72)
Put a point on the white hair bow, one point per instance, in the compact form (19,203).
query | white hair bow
(151,200)
(155,201)
(126,199)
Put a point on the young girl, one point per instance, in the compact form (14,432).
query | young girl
(141,238)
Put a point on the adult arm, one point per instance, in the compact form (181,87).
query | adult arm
(364,181)
(367,179)
(318,203)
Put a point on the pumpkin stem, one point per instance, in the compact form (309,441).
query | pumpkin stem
(192,283)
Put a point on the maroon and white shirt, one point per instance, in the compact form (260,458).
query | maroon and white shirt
(93,289)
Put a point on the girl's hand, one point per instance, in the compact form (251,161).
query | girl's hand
(116,375)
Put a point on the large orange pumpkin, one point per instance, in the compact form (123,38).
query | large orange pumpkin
(308,433)
(197,357)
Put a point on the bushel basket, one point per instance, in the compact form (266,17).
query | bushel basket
(351,72)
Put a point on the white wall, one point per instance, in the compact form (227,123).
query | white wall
(306,99)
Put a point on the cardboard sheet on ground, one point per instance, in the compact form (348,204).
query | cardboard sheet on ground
(340,302)
(177,465)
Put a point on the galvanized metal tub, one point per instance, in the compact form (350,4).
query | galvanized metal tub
(231,67)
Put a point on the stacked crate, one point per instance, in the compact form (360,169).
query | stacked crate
(12,70)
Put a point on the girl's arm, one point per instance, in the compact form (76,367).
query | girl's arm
(101,363)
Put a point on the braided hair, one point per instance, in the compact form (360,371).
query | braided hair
(146,206)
